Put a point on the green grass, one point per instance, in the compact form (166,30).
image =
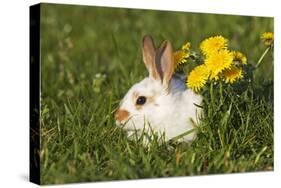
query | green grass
(91,57)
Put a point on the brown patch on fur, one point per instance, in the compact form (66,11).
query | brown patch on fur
(121,115)
(150,99)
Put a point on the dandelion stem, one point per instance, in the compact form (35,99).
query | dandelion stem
(212,95)
(262,57)
(221,96)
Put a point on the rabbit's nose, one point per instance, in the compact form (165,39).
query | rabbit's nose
(121,115)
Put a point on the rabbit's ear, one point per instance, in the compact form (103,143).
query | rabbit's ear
(165,62)
(148,54)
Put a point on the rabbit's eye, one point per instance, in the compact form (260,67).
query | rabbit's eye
(141,100)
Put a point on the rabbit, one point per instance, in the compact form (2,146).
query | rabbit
(160,103)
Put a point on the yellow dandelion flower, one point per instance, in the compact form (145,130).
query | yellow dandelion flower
(232,74)
(217,62)
(239,58)
(180,56)
(213,44)
(267,38)
(198,77)
(186,46)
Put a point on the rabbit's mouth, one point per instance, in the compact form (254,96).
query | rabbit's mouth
(121,124)
(128,126)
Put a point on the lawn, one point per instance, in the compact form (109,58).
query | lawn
(91,57)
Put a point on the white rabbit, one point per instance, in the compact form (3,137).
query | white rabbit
(160,103)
